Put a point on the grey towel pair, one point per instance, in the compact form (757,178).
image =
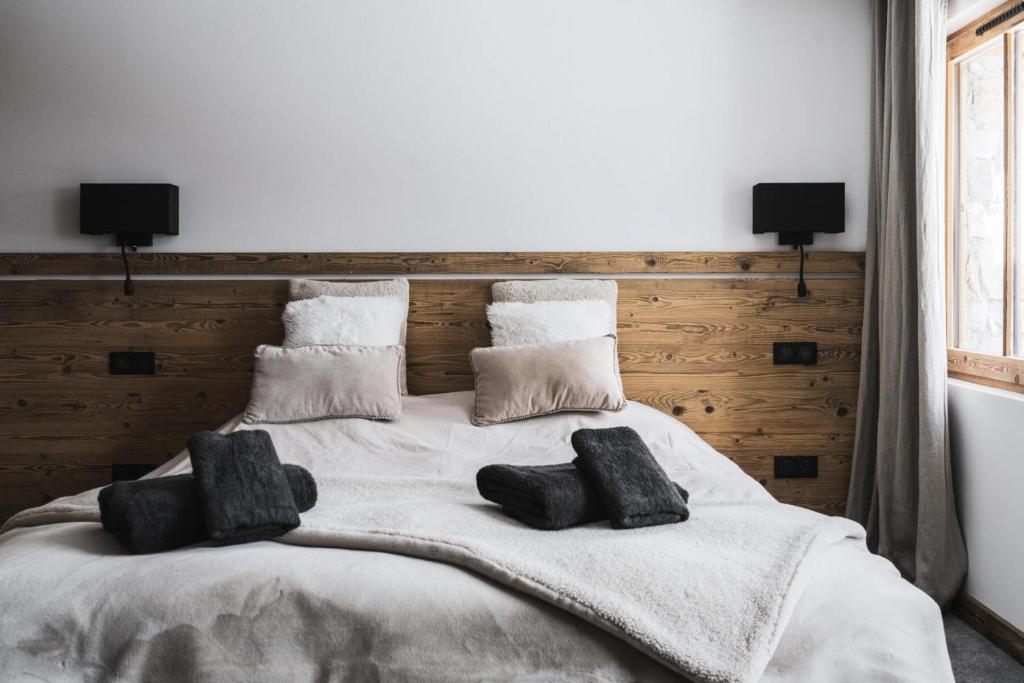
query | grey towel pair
(614,477)
(240,492)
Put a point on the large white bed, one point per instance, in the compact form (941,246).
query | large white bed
(75,606)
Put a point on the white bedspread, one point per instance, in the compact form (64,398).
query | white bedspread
(717,612)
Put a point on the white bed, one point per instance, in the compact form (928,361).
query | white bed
(74,606)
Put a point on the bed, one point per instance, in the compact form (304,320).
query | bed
(77,607)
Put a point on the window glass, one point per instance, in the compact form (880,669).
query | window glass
(979,234)
(1017,271)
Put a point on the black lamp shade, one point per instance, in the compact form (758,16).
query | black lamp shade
(799,207)
(128,209)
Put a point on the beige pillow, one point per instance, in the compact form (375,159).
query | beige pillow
(399,287)
(562,289)
(308,383)
(517,382)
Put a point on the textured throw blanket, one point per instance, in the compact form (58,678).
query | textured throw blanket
(709,598)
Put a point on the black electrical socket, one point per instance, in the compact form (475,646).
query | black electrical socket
(796,466)
(795,353)
(128,472)
(132,363)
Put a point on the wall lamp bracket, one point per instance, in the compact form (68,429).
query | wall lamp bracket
(132,212)
(798,210)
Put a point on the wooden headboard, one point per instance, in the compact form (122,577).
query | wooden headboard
(695,341)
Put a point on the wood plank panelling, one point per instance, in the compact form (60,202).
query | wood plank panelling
(698,349)
(443,263)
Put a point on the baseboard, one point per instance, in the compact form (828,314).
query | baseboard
(986,622)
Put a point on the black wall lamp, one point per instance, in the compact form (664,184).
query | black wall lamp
(798,210)
(132,212)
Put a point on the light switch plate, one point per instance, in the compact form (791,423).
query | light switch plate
(132,363)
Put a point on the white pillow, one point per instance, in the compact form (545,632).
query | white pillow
(514,323)
(350,321)
(399,287)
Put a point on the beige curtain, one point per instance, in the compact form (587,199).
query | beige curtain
(901,488)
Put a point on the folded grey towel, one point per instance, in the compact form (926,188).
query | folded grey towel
(543,496)
(164,513)
(632,485)
(243,488)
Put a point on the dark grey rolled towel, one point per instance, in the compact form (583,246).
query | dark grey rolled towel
(243,488)
(152,515)
(543,496)
(164,513)
(632,485)
(302,485)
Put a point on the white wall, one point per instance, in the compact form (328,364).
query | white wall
(987,431)
(319,125)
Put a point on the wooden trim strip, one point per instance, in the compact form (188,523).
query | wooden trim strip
(1002,633)
(998,371)
(952,95)
(420,263)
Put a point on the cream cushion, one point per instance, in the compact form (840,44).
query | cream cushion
(517,382)
(308,383)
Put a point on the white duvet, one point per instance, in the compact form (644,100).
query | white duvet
(76,607)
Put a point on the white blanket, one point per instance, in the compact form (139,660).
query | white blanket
(711,597)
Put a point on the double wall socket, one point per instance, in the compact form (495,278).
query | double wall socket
(795,353)
(796,466)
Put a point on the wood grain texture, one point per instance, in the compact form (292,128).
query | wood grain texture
(1001,372)
(1005,635)
(434,263)
(697,349)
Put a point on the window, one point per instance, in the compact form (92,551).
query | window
(985,199)
(979,246)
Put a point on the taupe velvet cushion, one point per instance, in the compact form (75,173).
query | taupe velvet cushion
(517,382)
(399,287)
(308,383)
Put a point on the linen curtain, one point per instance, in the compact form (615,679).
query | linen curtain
(901,488)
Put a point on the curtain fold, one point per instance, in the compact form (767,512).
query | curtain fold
(901,486)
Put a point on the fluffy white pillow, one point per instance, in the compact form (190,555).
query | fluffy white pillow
(514,323)
(352,321)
